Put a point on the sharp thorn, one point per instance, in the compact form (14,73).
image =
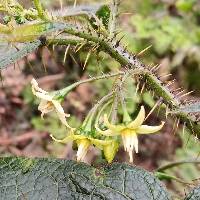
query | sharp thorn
(144,50)
(154,107)
(65,55)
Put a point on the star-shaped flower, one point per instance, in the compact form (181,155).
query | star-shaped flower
(129,131)
(84,142)
(48,103)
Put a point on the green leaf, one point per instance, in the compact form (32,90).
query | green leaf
(10,54)
(37,179)
(104,14)
(194,194)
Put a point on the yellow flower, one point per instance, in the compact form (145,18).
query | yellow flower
(129,131)
(110,150)
(83,142)
(48,103)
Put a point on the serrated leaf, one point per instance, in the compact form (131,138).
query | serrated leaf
(37,179)
(194,194)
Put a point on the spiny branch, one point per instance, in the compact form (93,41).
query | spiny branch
(153,82)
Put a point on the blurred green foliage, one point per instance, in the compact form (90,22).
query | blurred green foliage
(173,30)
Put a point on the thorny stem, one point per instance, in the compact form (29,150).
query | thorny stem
(113,17)
(123,57)
(152,81)
(62,41)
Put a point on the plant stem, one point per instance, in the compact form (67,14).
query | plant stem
(117,53)
(62,41)
(153,83)
(41,12)
(89,119)
(164,176)
(175,164)
(113,17)
(63,92)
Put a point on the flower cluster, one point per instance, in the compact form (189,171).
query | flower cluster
(87,135)
(129,131)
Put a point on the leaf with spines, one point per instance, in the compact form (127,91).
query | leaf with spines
(52,179)
(9,54)
(25,39)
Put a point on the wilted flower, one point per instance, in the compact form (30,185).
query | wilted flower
(48,103)
(83,142)
(129,131)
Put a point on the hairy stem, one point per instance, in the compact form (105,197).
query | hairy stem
(63,92)
(117,53)
(92,112)
(152,81)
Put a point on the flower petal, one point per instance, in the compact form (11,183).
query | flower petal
(144,129)
(138,120)
(61,114)
(130,142)
(43,96)
(42,104)
(45,107)
(130,153)
(65,140)
(114,128)
(107,132)
(70,136)
(83,146)
(35,87)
